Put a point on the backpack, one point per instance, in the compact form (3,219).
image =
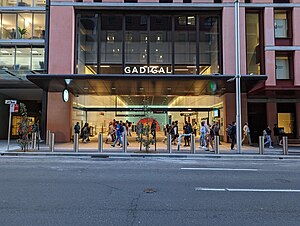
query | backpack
(121,129)
(229,130)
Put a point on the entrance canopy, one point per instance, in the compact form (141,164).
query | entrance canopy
(140,84)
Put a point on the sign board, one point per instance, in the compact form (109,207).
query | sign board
(10,101)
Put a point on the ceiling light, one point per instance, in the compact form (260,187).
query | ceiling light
(86,88)
(113,88)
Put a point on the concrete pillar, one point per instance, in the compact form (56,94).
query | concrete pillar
(269,41)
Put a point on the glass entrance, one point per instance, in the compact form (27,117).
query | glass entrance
(104,114)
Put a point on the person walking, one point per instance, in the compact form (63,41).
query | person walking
(118,132)
(246,134)
(276,133)
(268,133)
(232,134)
(77,128)
(203,133)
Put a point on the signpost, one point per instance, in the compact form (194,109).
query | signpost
(14,107)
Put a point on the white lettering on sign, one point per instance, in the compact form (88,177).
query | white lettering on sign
(148,70)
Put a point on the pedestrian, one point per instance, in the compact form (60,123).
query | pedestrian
(232,134)
(246,134)
(77,128)
(203,134)
(268,133)
(119,130)
(195,128)
(217,130)
(85,132)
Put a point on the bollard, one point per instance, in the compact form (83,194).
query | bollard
(100,142)
(261,145)
(285,145)
(217,145)
(51,142)
(47,137)
(33,140)
(193,144)
(76,143)
(169,143)
(124,138)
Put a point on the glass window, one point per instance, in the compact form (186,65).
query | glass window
(209,39)
(37,58)
(25,25)
(39,2)
(136,40)
(39,26)
(161,40)
(253,45)
(87,45)
(111,44)
(281,24)
(282,67)
(185,45)
(23,58)
(7,58)
(286,121)
(25,3)
(8,26)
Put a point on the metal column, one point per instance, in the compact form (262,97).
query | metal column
(124,142)
(51,142)
(261,145)
(48,137)
(169,143)
(193,144)
(33,140)
(100,142)
(285,145)
(217,145)
(76,143)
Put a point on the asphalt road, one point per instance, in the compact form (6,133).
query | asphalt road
(148,191)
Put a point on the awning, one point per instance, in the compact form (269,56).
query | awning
(141,84)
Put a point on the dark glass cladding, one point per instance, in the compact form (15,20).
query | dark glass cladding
(163,43)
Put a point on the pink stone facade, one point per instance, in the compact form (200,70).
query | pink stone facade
(61,58)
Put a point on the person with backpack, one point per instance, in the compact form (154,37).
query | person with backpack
(119,131)
(268,137)
(232,134)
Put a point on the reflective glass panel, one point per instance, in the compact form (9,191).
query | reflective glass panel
(25,25)
(8,26)
(253,47)
(39,26)
(37,58)
(87,45)
(185,45)
(111,44)
(7,58)
(209,47)
(23,58)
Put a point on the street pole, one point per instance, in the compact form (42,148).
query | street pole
(238,77)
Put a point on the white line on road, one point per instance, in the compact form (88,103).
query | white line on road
(219,169)
(245,190)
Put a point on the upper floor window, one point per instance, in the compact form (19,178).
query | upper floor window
(22,25)
(281,1)
(283,67)
(281,24)
(23,3)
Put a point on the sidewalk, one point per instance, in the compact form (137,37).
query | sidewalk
(133,150)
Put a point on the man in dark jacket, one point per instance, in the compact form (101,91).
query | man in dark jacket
(232,135)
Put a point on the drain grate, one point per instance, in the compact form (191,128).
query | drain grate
(150,190)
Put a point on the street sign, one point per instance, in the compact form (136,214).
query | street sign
(10,101)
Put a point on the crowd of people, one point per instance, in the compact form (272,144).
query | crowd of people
(207,133)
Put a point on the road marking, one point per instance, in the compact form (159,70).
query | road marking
(219,169)
(244,190)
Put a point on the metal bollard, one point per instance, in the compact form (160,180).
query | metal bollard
(48,137)
(100,142)
(217,145)
(285,145)
(261,145)
(169,143)
(124,136)
(76,143)
(33,141)
(193,144)
(51,142)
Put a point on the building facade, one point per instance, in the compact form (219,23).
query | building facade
(22,52)
(171,60)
